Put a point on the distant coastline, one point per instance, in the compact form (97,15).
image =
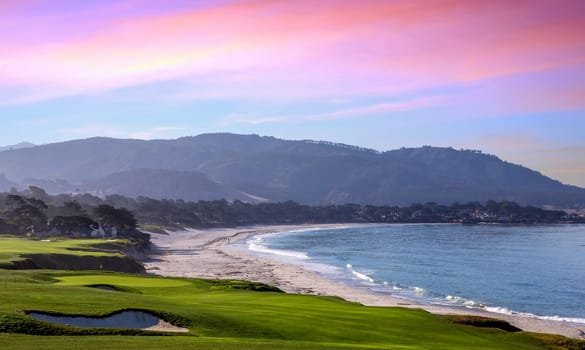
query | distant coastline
(35,213)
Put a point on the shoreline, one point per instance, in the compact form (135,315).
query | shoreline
(206,254)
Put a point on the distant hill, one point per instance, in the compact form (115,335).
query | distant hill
(161,184)
(17,146)
(249,166)
(5,184)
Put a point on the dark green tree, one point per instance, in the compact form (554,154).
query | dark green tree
(122,218)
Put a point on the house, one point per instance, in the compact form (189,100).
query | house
(98,232)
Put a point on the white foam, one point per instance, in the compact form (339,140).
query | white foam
(506,311)
(362,276)
(255,245)
(453,299)
(499,310)
(420,291)
(349,266)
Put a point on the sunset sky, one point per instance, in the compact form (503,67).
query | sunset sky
(506,77)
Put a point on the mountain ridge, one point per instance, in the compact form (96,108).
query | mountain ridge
(19,145)
(307,171)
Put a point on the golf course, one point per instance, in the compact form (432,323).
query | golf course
(219,314)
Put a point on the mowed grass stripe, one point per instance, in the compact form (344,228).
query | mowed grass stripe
(228,318)
(12,248)
(122,281)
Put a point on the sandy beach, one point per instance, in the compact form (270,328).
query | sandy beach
(206,254)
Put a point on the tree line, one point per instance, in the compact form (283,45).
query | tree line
(33,212)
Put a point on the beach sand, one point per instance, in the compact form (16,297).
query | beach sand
(206,254)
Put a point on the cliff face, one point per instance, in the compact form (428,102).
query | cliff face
(130,254)
(137,250)
(72,262)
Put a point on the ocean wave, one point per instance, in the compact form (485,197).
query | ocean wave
(418,294)
(359,275)
(459,301)
(506,311)
(255,244)
(420,291)
(362,276)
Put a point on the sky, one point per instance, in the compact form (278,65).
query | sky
(504,76)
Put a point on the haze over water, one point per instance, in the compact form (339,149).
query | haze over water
(535,270)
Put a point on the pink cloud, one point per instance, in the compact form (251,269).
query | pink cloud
(304,48)
(7,7)
(386,108)
(486,40)
(547,91)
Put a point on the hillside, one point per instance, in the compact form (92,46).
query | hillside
(234,166)
(160,184)
(5,184)
(17,146)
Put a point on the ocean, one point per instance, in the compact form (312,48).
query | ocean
(538,271)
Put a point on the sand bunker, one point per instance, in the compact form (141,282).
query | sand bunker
(125,319)
(104,287)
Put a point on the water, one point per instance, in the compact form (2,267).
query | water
(535,270)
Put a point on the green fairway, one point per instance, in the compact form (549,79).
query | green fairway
(121,281)
(12,248)
(229,315)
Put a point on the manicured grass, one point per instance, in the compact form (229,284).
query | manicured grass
(12,248)
(158,343)
(121,281)
(232,315)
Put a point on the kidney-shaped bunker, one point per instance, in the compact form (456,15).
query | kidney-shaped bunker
(133,319)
